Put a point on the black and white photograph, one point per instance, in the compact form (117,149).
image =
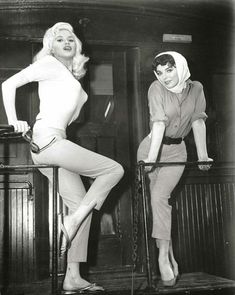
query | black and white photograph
(117,147)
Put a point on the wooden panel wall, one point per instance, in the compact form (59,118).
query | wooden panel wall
(17,264)
(211,51)
(203,219)
(205,214)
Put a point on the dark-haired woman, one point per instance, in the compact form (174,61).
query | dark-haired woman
(176,105)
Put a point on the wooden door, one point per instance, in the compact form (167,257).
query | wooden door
(103,127)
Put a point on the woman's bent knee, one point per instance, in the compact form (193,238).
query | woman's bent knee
(119,170)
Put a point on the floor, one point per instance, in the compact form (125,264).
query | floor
(191,283)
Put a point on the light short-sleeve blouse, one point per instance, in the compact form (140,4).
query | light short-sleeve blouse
(178,115)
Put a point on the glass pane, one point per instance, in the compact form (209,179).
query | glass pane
(101,79)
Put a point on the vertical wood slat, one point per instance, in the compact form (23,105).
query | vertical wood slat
(204,215)
(1,235)
(21,234)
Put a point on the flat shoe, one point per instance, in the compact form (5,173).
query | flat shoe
(169,283)
(92,288)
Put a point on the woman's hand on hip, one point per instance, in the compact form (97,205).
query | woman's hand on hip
(205,167)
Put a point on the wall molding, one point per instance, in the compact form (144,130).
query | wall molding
(127,7)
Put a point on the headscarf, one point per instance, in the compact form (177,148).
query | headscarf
(182,71)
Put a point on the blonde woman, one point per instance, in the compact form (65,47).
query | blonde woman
(57,69)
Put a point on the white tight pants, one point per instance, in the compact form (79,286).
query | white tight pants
(162,182)
(74,161)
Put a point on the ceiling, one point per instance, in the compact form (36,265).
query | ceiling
(222,11)
(219,10)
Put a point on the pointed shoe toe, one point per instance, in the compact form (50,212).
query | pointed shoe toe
(169,283)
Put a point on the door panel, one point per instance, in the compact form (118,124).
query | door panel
(103,127)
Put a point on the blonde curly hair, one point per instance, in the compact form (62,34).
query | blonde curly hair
(79,59)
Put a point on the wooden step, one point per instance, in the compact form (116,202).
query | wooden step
(136,284)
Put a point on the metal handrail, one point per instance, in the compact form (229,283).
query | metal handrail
(8,132)
(186,163)
(6,127)
(24,167)
(189,165)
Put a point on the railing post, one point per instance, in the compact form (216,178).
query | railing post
(54,284)
(145,221)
